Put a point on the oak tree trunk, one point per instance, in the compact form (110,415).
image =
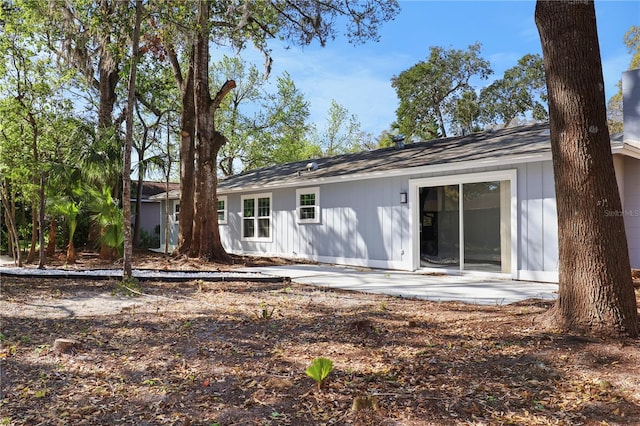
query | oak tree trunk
(108,78)
(206,242)
(595,293)
(187,162)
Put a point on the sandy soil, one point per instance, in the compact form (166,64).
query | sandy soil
(235,353)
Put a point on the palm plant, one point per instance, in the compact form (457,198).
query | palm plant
(110,221)
(69,208)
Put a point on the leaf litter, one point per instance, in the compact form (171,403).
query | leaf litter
(199,353)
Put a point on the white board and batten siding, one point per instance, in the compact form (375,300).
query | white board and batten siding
(363,223)
(538,227)
(631,207)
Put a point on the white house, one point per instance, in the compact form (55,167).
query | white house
(483,203)
(150,209)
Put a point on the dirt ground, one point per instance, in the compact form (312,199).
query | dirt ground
(235,353)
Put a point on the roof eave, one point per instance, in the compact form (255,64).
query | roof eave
(431,168)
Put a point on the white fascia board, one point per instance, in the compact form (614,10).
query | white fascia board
(632,151)
(433,168)
(147,200)
(173,195)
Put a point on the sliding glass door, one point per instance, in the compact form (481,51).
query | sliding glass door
(440,226)
(466,226)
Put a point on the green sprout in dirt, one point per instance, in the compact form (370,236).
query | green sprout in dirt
(265,312)
(319,370)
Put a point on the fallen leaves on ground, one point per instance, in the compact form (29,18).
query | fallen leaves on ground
(205,354)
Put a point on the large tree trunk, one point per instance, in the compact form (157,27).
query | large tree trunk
(187,164)
(187,151)
(596,292)
(108,80)
(206,242)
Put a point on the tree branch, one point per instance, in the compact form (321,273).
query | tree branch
(157,112)
(226,88)
(175,65)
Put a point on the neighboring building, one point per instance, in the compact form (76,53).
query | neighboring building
(150,210)
(483,203)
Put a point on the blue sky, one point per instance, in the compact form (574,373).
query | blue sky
(358,77)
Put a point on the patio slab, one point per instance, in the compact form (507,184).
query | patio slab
(462,288)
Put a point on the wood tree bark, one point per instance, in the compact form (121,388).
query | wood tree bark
(187,150)
(41,225)
(126,171)
(8,203)
(206,242)
(596,293)
(72,255)
(51,244)
(187,164)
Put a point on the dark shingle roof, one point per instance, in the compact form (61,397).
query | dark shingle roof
(524,140)
(150,188)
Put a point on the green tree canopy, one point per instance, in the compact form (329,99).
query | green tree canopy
(521,90)
(341,133)
(428,91)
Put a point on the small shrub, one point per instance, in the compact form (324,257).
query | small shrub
(319,370)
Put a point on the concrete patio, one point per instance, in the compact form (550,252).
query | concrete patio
(462,288)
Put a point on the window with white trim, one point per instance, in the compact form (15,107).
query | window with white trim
(222,209)
(256,217)
(308,205)
(176,213)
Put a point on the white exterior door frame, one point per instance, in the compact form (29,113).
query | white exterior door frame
(500,175)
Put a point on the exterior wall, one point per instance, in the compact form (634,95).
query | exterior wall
(538,222)
(173,226)
(537,228)
(363,223)
(150,217)
(631,208)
